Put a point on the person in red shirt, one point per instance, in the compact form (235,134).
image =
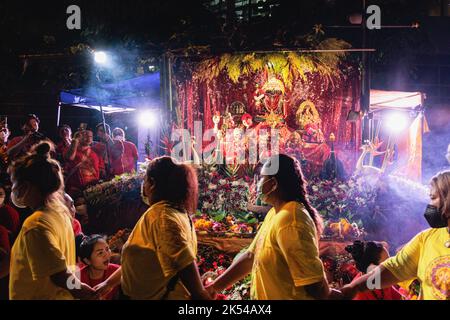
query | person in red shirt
(19,146)
(9,217)
(367,255)
(95,254)
(65,135)
(126,162)
(5,255)
(76,225)
(83,164)
(107,149)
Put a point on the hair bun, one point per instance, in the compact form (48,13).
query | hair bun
(356,249)
(43,149)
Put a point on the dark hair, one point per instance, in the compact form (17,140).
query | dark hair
(86,246)
(38,169)
(118,132)
(441,183)
(32,116)
(107,130)
(292,186)
(64,126)
(365,253)
(174,182)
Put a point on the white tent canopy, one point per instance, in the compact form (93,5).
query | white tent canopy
(400,100)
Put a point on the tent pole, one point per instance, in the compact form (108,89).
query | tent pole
(108,160)
(59,114)
(169,62)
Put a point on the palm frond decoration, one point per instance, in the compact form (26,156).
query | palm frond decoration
(231,170)
(288,65)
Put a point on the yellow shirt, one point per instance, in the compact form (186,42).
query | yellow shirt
(286,255)
(44,246)
(162,243)
(426,258)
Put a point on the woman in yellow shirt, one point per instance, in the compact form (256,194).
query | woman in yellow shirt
(43,255)
(426,257)
(158,260)
(284,257)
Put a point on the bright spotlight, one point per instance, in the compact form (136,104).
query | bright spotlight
(396,122)
(148,119)
(100,57)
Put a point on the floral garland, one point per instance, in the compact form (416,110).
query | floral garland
(220,193)
(114,191)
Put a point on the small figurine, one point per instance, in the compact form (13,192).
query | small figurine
(228,122)
(216,120)
(259,96)
(247,121)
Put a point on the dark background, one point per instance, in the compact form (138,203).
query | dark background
(39,55)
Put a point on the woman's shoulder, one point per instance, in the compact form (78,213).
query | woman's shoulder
(34,220)
(433,233)
(46,220)
(293,214)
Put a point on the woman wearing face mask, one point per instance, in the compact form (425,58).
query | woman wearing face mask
(284,257)
(158,260)
(43,254)
(94,252)
(426,257)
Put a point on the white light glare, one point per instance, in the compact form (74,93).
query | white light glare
(148,119)
(100,57)
(396,122)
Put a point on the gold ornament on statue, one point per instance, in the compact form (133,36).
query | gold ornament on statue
(332,137)
(273,119)
(307,114)
(273,86)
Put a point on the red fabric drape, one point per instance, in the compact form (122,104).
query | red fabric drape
(199,100)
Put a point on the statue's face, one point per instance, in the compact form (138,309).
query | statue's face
(216,119)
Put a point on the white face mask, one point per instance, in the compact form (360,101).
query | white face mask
(259,189)
(144,198)
(18,202)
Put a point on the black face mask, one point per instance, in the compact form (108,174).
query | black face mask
(434,217)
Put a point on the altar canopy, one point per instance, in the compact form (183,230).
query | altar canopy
(304,102)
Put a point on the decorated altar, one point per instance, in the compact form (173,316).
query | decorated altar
(251,100)
(240,109)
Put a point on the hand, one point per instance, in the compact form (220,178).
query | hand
(336,295)
(67,141)
(103,289)
(77,136)
(348,292)
(211,291)
(85,293)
